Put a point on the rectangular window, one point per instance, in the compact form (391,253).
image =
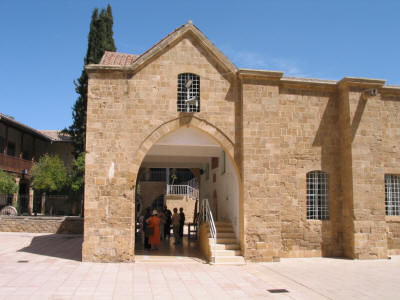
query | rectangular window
(317,196)
(392,195)
(188,93)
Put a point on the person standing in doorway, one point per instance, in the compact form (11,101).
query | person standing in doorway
(181,222)
(147,215)
(176,224)
(168,222)
(154,222)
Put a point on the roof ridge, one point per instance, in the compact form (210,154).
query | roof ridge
(160,41)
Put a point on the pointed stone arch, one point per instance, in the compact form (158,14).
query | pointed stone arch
(172,125)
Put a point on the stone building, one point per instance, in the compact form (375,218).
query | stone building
(299,167)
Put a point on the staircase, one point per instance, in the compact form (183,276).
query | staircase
(227,247)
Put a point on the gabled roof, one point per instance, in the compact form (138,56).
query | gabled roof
(132,62)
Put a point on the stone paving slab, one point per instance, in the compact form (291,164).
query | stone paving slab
(46,266)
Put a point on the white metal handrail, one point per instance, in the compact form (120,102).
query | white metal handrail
(206,216)
(182,189)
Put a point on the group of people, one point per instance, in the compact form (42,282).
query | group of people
(155,226)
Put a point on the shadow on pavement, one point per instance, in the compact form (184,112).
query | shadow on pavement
(66,246)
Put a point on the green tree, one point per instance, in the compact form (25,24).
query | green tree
(77,173)
(7,184)
(100,39)
(49,174)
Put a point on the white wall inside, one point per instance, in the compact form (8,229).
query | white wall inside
(225,188)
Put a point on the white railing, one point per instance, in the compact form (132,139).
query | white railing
(206,216)
(182,190)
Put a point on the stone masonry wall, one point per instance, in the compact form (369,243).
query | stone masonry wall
(390,157)
(123,110)
(261,170)
(393,235)
(65,225)
(308,141)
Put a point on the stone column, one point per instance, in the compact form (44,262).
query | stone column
(346,172)
(30,200)
(364,225)
(260,98)
(43,206)
(15,195)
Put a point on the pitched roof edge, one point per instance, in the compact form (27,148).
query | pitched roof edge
(22,126)
(173,36)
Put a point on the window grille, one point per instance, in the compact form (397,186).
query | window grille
(392,195)
(188,92)
(153,174)
(317,196)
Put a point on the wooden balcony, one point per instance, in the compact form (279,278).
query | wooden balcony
(14,164)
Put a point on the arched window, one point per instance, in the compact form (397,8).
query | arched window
(392,195)
(317,196)
(188,93)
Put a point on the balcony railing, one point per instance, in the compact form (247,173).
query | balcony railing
(181,190)
(14,164)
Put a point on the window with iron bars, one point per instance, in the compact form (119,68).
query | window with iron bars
(188,93)
(392,195)
(317,195)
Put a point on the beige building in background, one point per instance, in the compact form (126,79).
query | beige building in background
(297,166)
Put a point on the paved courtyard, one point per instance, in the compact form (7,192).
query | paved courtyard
(47,266)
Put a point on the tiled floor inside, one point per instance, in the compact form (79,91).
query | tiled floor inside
(46,266)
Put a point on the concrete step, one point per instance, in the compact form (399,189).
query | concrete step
(223,223)
(228,253)
(230,235)
(224,229)
(223,240)
(230,260)
(227,246)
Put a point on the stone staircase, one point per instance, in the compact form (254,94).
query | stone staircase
(227,248)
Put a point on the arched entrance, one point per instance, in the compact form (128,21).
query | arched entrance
(206,154)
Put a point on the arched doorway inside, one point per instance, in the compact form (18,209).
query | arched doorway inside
(180,169)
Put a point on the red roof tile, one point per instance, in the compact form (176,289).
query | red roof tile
(117,59)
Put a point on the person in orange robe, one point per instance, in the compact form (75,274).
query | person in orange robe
(154,222)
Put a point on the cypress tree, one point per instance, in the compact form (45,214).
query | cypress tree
(100,39)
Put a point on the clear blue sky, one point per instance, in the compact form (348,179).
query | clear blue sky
(44,42)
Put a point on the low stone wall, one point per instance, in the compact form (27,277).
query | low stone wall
(393,235)
(65,225)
